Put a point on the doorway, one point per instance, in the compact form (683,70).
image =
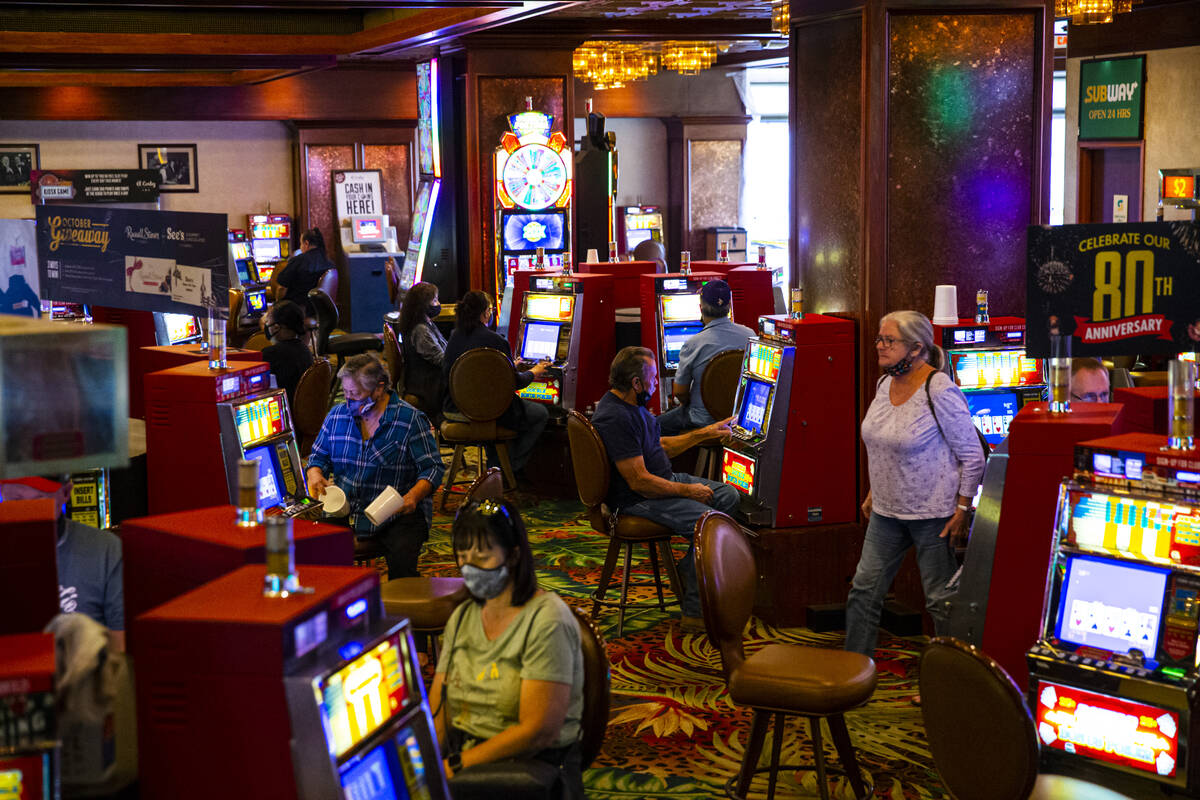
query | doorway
(1109,171)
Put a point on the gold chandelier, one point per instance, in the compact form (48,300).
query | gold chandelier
(781,16)
(688,58)
(1090,12)
(611,65)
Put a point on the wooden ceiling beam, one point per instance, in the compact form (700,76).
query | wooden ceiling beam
(21,78)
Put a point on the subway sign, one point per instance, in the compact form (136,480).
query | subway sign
(1111,97)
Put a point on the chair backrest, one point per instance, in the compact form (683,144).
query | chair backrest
(718,385)
(482,382)
(597,698)
(979,731)
(237,301)
(589,459)
(392,273)
(393,358)
(327,317)
(311,403)
(727,579)
(1149,378)
(329,284)
(257,341)
(650,250)
(488,486)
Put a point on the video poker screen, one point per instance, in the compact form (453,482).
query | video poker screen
(992,413)
(1111,605)
(393,770)
(540,341)
(247,270)
(267,250)
(526,232)
(755,399)
(680,307)
(270,487)
(674,337)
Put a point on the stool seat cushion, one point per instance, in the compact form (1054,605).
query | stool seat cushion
(428,602)
(455,431)
(354,343)
(1060,787)
(630,528)
(803,680)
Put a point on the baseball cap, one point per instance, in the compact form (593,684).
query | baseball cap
(716,293)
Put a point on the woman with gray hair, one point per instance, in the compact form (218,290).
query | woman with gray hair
(372,441)
(925,463)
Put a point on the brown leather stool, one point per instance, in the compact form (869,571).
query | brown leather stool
(780,679)
(482,385)
(591,464)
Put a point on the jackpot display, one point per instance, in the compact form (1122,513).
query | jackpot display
(533,172)
(793,411)
(1113,672)
(259,428)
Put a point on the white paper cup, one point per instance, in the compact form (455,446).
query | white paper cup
(386,504)
(333,501)
(593,256)
(945,304)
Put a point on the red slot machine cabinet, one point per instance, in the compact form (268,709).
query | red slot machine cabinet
(300,698)
(1145,408)
(793,453)
(752,289)
(170,554)
(162,357)
(569,320)
(140,333)
(29,568)
(1112,675)
(184,463)
(29,763)
(999,601)
(670,304)
(627,280)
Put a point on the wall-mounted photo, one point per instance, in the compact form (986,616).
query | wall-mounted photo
(16,162)
(174,163)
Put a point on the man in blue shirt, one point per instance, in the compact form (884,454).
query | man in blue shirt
(372,441)
(720,333)
(642,483)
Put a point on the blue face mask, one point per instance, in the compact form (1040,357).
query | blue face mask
(484,583)
(360,407)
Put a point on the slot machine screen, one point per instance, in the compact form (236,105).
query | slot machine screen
(540,341)
(525,232)
(247,270)
(992,413)
(239,250)
(674,337)
(755,400)
(182,328)
(266,249)
(256,301)
(680,307)
(363,695)
(265,271)
(270,487)
(764,360)
(1111,605)
(393,770)
(557,307)
(260,419)
(983,369)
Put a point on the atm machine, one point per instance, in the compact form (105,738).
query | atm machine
(569,320)
(368,241)
(315,696)
(794,450)
(672,301)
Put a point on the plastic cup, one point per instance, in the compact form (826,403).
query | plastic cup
(593,256)
(384,506)
(945,304)
(334,501)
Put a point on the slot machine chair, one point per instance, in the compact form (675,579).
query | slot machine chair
(311,403)
(780,679)
(393,359)
(482,385)
(592,473)
(718,389)
(429,602)
(342,345)
(980,731)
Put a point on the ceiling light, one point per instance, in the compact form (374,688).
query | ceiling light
(781,16)
(611,65)
(688,58)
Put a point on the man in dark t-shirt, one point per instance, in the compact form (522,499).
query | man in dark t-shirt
(642,483)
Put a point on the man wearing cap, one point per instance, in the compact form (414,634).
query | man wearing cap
(720,333)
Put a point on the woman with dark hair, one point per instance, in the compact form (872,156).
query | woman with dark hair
(303,271)
(424,348)
(509,680)
(288,353)
(472,317)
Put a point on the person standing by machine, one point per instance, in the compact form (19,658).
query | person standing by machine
(303,271)
(720,333)
(473,315)
(372,441)
(288,353)
(424,348)
(925,463)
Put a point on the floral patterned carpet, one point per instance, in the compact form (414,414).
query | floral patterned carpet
(673,731)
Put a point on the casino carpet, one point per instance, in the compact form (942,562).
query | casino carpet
(673,733)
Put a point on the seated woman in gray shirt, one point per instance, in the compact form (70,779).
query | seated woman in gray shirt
(509,681)
(424,348)
(924,470)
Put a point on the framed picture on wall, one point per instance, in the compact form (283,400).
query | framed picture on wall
(174,163)
(16,162)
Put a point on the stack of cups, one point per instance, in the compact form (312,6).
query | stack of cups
(593,256)
(945,304)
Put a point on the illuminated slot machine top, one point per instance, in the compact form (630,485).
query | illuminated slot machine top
(177,328)
(756,389)
(1115,666)
(259,428)
(270,237)
(641,224)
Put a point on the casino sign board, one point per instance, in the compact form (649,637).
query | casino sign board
(1111,97)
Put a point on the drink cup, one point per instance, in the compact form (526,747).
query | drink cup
(334,501)
(384,506)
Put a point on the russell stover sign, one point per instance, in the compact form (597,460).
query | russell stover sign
(1111,98)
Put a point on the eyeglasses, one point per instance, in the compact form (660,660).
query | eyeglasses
(1091,397)
(887,341)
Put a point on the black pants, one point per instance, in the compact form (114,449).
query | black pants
(402,537)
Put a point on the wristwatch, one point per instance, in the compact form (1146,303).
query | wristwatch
(455,761)
(961,507)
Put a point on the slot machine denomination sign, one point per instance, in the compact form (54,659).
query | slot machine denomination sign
(1122,289)
(167,261)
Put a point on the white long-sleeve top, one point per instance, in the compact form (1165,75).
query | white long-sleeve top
(917,472)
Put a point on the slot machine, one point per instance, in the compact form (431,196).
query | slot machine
(569,320)
(636,224)
(793,451)
(672,301)
(184,463)
(752,288)
(310,697)
(270,241)
(29,747)
(258,428)
(1112,677)
(990,366)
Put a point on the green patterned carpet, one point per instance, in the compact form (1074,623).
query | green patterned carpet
(673,731)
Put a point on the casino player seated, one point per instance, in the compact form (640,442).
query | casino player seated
(720,333)
(1089,381)
(642,483)
(288,353)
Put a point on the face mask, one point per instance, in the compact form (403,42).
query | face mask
(484,583)
(900,367)
(433,310)
(359,408)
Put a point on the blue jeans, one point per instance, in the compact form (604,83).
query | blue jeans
(680,515)
(529,427)
(886,544)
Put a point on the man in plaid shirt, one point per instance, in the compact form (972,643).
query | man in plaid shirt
(372,441)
